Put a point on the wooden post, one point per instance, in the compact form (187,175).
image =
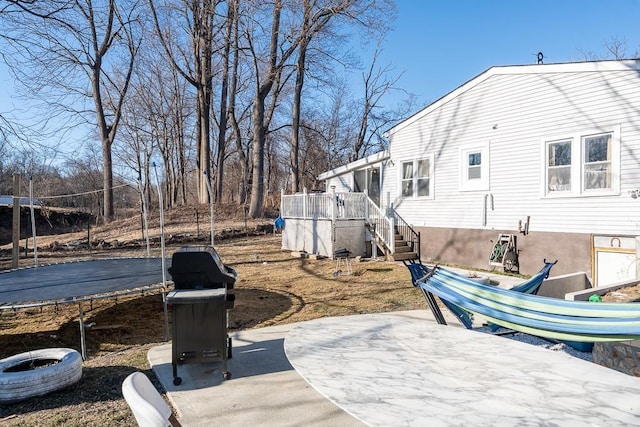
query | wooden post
(16,220)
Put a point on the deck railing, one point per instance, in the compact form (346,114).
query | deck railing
(336,205)
(381,224)
(324,206)
(411,236)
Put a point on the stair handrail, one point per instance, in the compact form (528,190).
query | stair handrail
(407,232)
(382,224)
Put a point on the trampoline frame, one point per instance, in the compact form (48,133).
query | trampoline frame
(90,297)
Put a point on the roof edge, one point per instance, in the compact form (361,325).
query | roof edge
(560,67)
(366,161)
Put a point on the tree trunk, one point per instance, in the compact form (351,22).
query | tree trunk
(295,120)
(257,184)
(107,166)
(224,90)
(203,146)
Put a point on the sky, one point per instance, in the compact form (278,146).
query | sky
(441,44)
(438,45)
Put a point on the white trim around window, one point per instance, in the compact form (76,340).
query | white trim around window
(582,164)
(416,178)
(474,168)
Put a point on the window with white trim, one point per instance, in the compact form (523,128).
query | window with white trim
(583,165)
(474,169)
(416,178)
(597,162)
(559,166)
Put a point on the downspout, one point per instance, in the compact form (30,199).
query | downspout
(484,208)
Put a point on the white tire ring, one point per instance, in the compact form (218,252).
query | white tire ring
(17,386)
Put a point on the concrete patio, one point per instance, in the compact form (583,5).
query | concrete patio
(395,369)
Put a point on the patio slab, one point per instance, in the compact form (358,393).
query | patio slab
(264,389)
(395,369)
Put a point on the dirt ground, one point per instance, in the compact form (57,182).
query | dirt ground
(273,287)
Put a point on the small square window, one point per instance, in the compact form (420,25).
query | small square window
(474,169)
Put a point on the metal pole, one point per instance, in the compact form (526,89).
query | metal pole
(144,216)
(83,343)
(210,203)
(16,221)
(33,222)
(163,260)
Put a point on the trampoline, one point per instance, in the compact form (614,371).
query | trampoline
(78,281)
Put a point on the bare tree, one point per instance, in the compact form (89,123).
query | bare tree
(316,17)
(283,41)
(190,52)
(374,119)
(73,50)
(230,39)
(158,119)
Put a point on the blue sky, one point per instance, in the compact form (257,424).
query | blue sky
(440,44)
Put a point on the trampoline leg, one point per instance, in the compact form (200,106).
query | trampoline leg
(166,314)
(82,336)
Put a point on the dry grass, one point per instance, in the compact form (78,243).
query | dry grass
(273,288)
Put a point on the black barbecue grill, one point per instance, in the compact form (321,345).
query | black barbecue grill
(202,295)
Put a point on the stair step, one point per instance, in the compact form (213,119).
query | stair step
(404,255)
(403,248)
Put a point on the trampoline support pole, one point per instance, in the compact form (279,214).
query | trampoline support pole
(163,257)
(210,204)
(83,345)
(166,314)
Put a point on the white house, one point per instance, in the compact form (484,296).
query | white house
(546,156)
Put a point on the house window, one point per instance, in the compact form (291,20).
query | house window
(559,166)
(597,162)
(583,165)
(416,179)
(407,179)
(474,169)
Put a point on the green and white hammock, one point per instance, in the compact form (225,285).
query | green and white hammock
(545,317)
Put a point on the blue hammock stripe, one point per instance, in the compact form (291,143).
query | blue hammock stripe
(534,302)
(555,335)
(547,316)
(569,324)
(419,271)
(536,315)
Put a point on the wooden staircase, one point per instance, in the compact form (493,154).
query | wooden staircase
(397,240)
(403,250)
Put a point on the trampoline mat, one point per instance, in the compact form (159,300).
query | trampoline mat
(56,282)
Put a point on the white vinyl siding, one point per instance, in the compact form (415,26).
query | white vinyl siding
(342,183)
(515,112)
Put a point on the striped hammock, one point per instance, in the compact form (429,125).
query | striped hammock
(546,317)
(419,271)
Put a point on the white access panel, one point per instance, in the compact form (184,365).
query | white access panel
(616,259)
